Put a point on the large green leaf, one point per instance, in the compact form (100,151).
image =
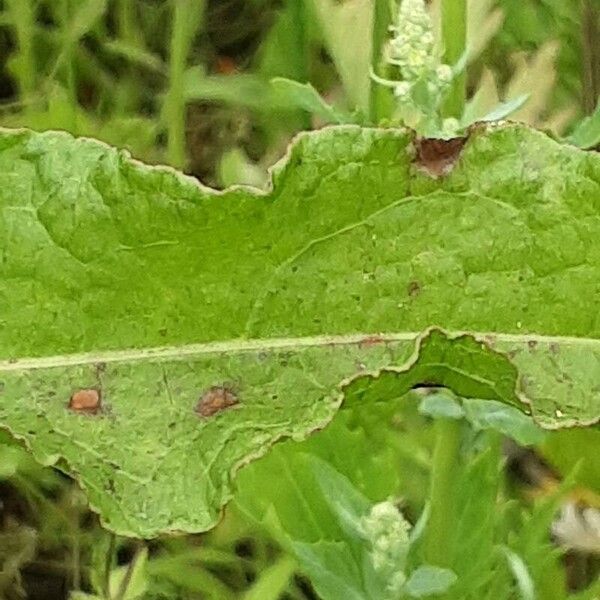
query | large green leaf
(174,301)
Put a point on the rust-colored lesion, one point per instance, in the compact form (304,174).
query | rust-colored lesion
(437,157)
(216,399)
(371,340)
(86,401)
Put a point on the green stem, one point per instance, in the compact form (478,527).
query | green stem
(69,70)
(126,21)
(298,59)
(127,98)
(590,26)
(454,39)
(438,542)
(121,593)
(187,16)
(108,563)
(22,13)
(381,101)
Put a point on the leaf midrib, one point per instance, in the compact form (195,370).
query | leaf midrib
(270,344)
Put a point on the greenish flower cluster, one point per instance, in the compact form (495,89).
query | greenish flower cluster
(386,530)
(424,81)
(411,48)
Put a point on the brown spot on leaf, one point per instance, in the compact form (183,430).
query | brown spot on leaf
(437,157)
(371,340)
(215,399)
(554,348)
(100,368)
(490,340)
(532,344)
(86,401)
(414,289)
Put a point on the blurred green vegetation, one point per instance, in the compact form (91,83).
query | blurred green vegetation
(190,83)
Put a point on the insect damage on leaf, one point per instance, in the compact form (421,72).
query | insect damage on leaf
(437,157)
(414,289)
(216,399)
(86,401)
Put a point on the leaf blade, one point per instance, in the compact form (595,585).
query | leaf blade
(154,290)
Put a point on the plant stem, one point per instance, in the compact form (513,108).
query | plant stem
(381,102)
(186,17)
(438,541)
(68,61)
(590,26)
(128,96)
(126,581)
(22,14)
(298,61)
(108,563)
(454,39)
(126,21)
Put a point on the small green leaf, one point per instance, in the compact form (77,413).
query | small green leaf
(429,581)
(331,568)
(441,405)
(304,96)
(272,581)
(587,133)
(507,420)
(241,89)
(521,574)
(501,111)
(344,500)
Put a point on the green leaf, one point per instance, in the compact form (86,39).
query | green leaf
(507,420)
(236,168)
(346,28)
(501,111)
(587,133)
(521,574)
(429,581)
(304,96)
(296,506)
(243,89)
(484,415)
(130,582)
(314,519)
(209,325)
(83,596)
(568,450)
(441,405)
(314,494)
(272,581)
(344,500)
(83,18)
(331,568)
(476,511)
